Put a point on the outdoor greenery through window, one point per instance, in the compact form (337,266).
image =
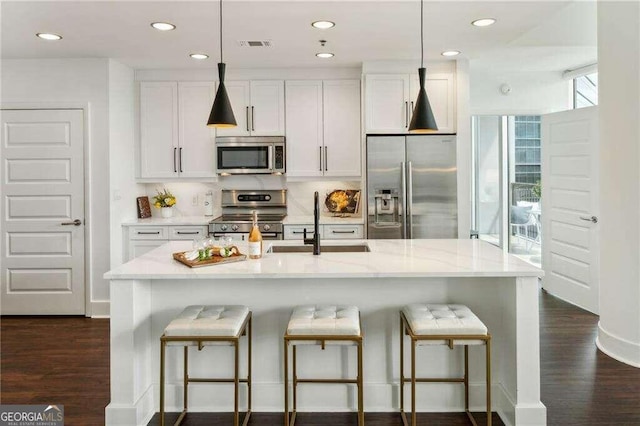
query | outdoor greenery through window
(585,91)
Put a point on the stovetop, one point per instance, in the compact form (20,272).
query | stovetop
(248,218)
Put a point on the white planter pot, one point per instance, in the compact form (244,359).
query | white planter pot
(166,211)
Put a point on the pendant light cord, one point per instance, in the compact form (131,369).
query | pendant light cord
(221,32)
(421,33)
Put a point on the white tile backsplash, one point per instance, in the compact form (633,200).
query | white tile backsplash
(299,194)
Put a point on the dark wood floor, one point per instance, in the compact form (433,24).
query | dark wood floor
(48,360)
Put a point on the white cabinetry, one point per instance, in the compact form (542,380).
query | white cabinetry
(323,128)
(327,232)
(142,239)
(390,99)
(258,107)
(174,138)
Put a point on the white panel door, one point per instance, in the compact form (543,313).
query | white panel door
(342,137)
(196,143)
(158,129)
(304,128)
(387,103)
(240,98)
(42,250)
(267,108)
(570,206)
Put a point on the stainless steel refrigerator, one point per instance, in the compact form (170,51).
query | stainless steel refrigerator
(412,187)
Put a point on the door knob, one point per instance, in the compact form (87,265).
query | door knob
(76,222)
(592,219)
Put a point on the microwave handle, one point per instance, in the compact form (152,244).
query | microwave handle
(270,158)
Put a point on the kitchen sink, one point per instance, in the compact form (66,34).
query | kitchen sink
(346,248)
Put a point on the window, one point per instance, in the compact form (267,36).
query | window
(585,91)
(527,148)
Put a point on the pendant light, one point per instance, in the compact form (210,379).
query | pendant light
(221,112)
(422,120)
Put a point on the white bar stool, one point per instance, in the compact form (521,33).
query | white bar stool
(322,325)
(440,324)
(205,325)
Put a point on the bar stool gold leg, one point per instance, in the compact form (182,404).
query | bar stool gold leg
(414,419)
(185,391)
(488,355)
(295,380)
(249,367)
(402,369)
(286,382)
(236,384)
(360,386)
(162,347)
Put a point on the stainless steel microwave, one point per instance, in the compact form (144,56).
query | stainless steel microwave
(243,155)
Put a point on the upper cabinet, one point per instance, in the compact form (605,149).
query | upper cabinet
(323,128)
(175,141)
(258,106)
(390,99)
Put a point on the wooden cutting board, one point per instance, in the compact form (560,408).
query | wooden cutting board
(214,260)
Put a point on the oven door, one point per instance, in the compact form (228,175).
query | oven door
(240,236)
(244,158)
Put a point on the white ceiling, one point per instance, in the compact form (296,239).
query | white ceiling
(544,35)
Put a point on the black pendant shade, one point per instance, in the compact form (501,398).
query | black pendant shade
(221,112)
(422,120)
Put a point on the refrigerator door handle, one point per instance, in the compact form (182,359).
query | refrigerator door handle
(403,178)
(409,214)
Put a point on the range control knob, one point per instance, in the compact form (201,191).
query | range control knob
(266,227)
(223,227)
(234,227)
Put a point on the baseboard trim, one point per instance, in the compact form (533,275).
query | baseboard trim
(618,348)
(100,309)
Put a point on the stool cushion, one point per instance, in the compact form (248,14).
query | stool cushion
(441,319)
(208,320)
(325,320)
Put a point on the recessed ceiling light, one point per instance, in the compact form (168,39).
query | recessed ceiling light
(484,22)
(199,55)
(49,36)
(323,25)
(324,55)
(450,53)
(163,26)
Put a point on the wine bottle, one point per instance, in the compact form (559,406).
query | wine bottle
(255,239)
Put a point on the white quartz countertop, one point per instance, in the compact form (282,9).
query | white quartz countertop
(387,258)
(177,220)
(204,220)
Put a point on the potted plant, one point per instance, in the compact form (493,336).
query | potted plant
(164,201)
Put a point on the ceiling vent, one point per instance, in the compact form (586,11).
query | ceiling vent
(254,43)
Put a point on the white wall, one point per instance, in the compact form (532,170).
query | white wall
(619,110)
(61,83)
(124,188)
(538,92)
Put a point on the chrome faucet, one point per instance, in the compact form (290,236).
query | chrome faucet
(316,226)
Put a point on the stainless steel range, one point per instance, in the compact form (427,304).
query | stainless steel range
(237,206)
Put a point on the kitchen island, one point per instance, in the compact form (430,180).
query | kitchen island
(149,291)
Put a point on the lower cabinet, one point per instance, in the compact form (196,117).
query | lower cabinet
(142,239)
(327,232)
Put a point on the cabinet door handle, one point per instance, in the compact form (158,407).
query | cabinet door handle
(187,233)
(148,233)
(180,159)
(175,168)
(343,232)
(411,109)
(320,169)
(253,119)
(406,114)
(247,119)
(76,222)
(325,158)
(298,232)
